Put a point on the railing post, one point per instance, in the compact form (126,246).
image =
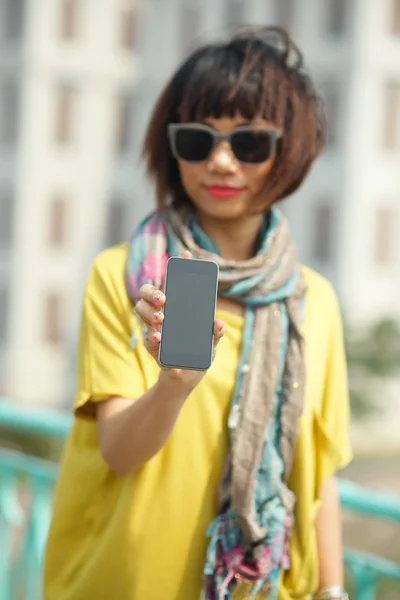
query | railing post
(365,585)
(11,516)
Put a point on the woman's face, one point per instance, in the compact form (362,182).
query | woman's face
(221,187)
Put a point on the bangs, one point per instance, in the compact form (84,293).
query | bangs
(225,81)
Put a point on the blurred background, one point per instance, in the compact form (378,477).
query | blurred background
(78,79)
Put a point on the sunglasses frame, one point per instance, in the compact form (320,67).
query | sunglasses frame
(173,128)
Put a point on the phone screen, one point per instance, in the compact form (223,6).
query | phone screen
(189,313)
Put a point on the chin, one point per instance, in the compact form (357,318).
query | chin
(222,209)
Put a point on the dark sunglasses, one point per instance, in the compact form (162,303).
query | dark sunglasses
(194,142)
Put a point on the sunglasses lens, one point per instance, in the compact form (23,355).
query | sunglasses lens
(252,146)
(193,145)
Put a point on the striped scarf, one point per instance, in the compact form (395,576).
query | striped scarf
(248,540)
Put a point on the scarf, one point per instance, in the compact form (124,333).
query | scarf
(248,539)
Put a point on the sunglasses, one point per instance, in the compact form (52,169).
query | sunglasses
(194,142)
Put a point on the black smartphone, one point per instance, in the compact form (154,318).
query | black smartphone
(187,331)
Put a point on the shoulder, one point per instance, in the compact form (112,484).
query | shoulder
(323,317)
(106,278)
(320,291)
(110,264)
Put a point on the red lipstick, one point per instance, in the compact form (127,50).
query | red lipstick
(223,191)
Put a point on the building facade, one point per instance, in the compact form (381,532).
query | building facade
(78,80)
(67,75)
(346,218)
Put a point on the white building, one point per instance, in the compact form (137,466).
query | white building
(67,72)
(346,218)
(69,79)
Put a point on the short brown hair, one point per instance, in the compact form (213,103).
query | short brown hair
(258,72)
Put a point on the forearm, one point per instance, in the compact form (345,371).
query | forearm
(329,536)
(131,436)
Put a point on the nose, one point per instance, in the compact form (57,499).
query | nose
(222,159)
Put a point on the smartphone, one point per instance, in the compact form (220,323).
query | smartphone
(187,332)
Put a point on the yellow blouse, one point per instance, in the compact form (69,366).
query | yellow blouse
(142,537)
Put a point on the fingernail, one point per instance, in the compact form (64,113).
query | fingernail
(157,298)
(155,336)
(157,316)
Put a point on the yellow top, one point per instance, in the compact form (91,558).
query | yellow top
(142,537)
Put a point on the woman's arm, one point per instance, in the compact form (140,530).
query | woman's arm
(130,433)
(329,536)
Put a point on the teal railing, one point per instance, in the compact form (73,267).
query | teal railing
(26,485)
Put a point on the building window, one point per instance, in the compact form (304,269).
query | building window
(284,10)
(323,232)
(190,22)
(391,116)
(14,16)
(68,19)
(57,222)
(9,117)
(65,97)
(116,222)
(330,92)
(124,122)
(53,319)
(3,312)
(6,218)
(385,236)
(127,24)
(395,17)
(234,13)
(336,17)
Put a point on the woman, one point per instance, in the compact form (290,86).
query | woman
(179,484)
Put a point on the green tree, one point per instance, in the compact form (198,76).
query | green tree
(373,355)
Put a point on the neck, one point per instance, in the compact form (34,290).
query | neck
(237,238)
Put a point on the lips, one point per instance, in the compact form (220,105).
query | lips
(223,191)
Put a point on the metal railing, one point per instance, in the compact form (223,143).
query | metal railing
(26,485)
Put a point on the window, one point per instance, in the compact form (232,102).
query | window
(116,222)
(57,222)
(6,218)
(395,17)
(385,237)
(3,312)
(14,15)
(65,97)
(9,117)
(391,116)
(284,14)
(190,20)
(68,19)
(330,92)
(337,16)
(323,232)
(53,319)
(124,122)
(127,29)
(234,13)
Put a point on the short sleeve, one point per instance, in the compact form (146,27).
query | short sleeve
(333,417)
(107,364)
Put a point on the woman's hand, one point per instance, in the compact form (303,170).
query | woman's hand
(149,309)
